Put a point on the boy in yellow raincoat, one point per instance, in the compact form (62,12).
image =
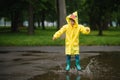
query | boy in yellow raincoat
(72,31)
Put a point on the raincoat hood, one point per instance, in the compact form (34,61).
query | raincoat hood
(73,16)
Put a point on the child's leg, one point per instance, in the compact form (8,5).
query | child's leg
(68,57)
(77,62)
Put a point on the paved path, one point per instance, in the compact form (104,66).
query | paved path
(23,63)
(60,49)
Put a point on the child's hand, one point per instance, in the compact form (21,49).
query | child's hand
(87,29)
(53,38)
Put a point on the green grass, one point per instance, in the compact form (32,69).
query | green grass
(109,38)
(44,38)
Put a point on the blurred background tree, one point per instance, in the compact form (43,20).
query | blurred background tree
(98,14)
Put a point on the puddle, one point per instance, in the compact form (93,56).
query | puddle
(51,66)
(105,66)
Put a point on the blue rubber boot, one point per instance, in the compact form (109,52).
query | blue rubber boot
(68,57)
(77,62)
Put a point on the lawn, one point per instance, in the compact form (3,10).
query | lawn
(44,38)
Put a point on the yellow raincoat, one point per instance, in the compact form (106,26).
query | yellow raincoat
(72,35)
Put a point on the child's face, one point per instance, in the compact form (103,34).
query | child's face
(72,22)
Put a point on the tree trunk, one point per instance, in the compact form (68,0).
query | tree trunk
(15,21)
(100,33)
(62,12)
(31,24)
(100,27)
(43,19)
(38,21)
(118,22)
(57,5)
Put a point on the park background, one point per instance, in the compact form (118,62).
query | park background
(27,51)
(33,22)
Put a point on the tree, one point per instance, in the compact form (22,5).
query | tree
(100,12)
(12,9)
(31,24)
(44,10)
(61,9)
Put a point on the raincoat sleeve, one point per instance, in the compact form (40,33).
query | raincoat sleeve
(84,30)
(60,32)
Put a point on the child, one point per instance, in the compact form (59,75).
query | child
(72,30)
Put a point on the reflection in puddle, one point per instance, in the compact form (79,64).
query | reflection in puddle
(73,77)
(102,67)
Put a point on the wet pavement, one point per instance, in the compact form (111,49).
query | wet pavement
(48,63)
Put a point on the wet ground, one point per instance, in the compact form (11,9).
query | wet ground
(40,65)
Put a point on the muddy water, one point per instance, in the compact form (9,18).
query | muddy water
(105,66)
(50,66)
